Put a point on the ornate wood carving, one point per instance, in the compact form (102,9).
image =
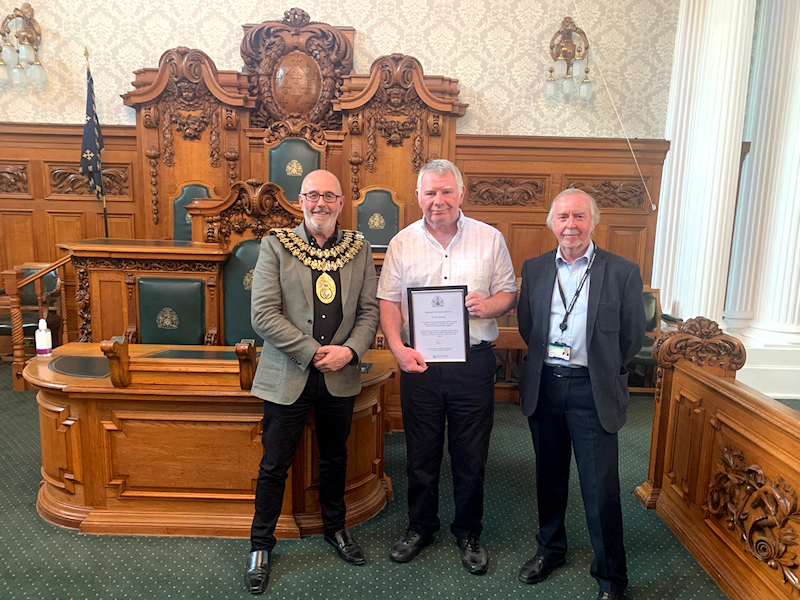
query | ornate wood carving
(187,104)
(152,155)
(294,126)
(232,156)
(355,164)
(396,112)
(67,179)
(13,179)
(257,207)
(212,334)
(295,68)
(506,191)
(759,511)
(82,300)
(161,265)
(702,342)
(613,194)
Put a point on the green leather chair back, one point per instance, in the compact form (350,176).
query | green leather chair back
(378,218)
(29,302)
(237,283)
(649,301)
(171,310)
(289,162)
(181,222)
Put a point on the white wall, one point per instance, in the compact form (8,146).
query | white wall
(497,50)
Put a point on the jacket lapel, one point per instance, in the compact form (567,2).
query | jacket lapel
(345,275)
(545,293)
(302,271)
(596,277)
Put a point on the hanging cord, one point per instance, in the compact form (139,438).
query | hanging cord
(616,112)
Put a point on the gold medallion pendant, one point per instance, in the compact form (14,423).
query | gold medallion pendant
(326,288)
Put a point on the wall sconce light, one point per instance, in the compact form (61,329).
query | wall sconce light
(569,49)
(19,59)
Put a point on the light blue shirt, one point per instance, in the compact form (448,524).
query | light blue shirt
(574,335)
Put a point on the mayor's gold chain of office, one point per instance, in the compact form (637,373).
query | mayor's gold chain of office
(330,259)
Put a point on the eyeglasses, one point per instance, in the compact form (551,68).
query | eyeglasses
(329,197)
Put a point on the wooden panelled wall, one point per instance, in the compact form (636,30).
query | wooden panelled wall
(510,181)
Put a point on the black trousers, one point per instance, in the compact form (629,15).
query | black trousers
(463,394)
(566,419)
(283,425)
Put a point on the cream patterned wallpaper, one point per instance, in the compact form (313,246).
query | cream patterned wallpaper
(497,50)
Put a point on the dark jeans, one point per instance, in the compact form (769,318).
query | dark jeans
(463,394)
(283,425)
(566,419)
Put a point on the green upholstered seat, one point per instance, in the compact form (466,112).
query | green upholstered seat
(171,310)
(237,283)
(378,217)
(289,162)
(181,223)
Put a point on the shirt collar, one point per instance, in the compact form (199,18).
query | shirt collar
(329,243)
(586,255)
(459,223)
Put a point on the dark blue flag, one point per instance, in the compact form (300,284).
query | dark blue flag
(92,142)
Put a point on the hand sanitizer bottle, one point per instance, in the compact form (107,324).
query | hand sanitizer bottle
(43,339)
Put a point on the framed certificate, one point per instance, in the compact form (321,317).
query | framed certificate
(438,322)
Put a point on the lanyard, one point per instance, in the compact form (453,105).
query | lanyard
(563,325)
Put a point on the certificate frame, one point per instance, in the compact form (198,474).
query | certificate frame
(438,322)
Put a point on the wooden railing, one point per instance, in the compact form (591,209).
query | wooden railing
(724,469)
(14,283)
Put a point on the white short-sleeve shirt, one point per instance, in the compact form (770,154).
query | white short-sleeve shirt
(477,257)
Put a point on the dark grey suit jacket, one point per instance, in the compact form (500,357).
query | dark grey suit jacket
(282,313)
(615,326)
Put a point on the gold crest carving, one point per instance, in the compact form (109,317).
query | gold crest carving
(247,282)
(376,221)
(294,168)
(167,318)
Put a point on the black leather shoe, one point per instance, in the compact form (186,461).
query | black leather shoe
(473,555)
(346,547)
(408,546)
(539,567)
(610,596)
(256,574)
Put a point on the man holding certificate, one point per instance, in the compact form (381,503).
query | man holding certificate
(444,280)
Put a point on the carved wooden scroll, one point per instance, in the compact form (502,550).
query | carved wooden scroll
(295,69)
(250,211)
(182,104)
(397,119)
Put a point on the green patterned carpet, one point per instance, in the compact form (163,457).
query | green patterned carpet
(39,560)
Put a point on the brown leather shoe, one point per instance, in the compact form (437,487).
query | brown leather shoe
(539,567)
(346,547)
(256,573)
